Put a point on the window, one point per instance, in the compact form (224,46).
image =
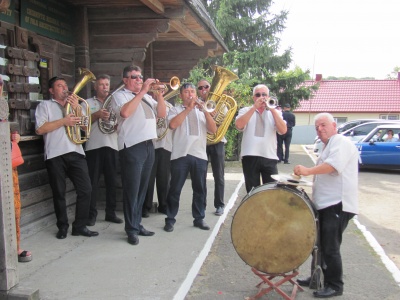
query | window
(340,120)
(389,117)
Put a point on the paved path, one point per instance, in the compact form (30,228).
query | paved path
(165,266)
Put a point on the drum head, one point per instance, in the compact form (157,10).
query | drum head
(274,229)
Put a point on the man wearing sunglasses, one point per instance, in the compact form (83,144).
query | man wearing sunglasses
(216,155)
(259,125)
(190,124)
(137,113)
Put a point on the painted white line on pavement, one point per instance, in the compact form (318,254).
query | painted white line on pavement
(194,270)
(389,264)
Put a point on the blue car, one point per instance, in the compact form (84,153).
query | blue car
(377,152)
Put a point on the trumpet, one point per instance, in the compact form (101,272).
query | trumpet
(208,106)
(174,84)
(271,101)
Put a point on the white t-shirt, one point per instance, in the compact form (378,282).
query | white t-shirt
(97,138)
(56,142)
(190,138)
(341,185)
(259,135)
(138,127)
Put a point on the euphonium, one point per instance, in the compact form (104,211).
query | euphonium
(110,125)
(75,134)
(225,105)
(162,124)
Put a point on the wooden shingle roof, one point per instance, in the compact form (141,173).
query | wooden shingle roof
(354,96)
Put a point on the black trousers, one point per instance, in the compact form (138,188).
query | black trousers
(103,161)
(284,139)
(216,155)
(254,166)
(160,176)
(332,223)
(136,164)
(72,165)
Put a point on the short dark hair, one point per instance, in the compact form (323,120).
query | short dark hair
(103,76)
(131,68)
(187,85)
(54,79)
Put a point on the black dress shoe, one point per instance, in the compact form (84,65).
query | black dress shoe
(114,219)
(286,163)
(133,239)
(145,214)
(145,232)
(84,231)
(327,292)
(169,227)
(304,282)
(61,234)
(201,224)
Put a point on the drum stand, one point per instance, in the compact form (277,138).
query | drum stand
(274,286)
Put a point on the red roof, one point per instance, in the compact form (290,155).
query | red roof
(381,96)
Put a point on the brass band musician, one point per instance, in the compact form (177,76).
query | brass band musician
(63,157)
(190,123)
(137,113)
(101,154)
(259,126)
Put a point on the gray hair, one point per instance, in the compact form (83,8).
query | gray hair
(258,86)
(324,115)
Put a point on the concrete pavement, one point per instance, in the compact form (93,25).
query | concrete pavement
(164,266)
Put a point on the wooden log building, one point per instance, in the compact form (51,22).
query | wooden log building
(46,38)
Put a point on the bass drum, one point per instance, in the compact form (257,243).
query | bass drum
(274,228)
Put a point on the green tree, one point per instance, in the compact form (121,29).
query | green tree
(251,30)
(394,73)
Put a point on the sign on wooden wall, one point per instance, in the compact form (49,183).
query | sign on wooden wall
(50,18)
(8,15)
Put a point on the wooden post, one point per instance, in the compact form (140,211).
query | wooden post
(8,244)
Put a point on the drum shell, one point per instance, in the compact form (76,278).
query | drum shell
(274,228)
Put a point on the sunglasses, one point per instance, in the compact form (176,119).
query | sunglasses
(135,77)
(203,87)
(258,95)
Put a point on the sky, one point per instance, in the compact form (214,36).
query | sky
(356,38)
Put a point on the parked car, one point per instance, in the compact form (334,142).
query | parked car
(358,132)
(376,153)
(355,133)
(350,124)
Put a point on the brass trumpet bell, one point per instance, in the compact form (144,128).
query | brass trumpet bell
(174,84)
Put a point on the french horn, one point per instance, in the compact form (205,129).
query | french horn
(75,133)
(109,126)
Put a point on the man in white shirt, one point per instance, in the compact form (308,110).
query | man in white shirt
(161,172)
(258,149)
(216,154)
(335,195)
(64,158)
(190,124)
(101,154)
(136,116)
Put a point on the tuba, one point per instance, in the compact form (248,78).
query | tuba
(75,134)
(110,125)
(225,105)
